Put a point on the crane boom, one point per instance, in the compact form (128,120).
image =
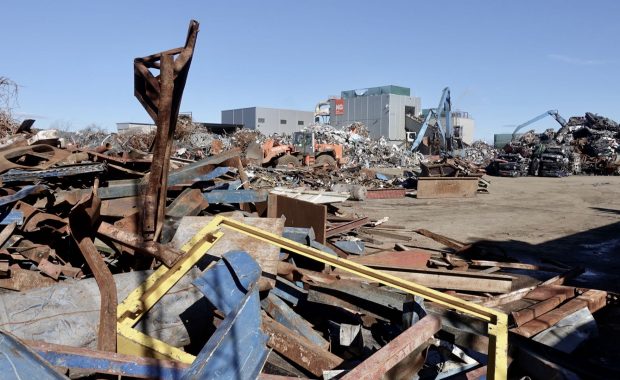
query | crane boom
(553,113)
(444,108)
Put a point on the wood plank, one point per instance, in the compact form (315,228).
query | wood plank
(453,280)
(592,299)
(299,213)
(523,316)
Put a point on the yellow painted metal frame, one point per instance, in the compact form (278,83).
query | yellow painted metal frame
(143,298)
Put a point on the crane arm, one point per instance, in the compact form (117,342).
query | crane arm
(553,113)
(444,106)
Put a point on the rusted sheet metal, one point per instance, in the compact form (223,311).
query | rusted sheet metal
(31,157)
(298,349)
(120,207)
(385,193)
(365,292)
(22,193)
(392,353)
(189,203)
(447,187)
(81,221)
(86,360)
(161,98)
(594,300)
(24,279)
(299,213)
(346,226)
(282,313)
(167,255)
(395,260)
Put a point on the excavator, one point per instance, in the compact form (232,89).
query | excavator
(303,151)
(445,138)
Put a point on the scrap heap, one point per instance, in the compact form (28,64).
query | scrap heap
(136,263)
(588,145)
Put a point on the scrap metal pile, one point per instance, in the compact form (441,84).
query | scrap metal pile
(586,145)
(131,262)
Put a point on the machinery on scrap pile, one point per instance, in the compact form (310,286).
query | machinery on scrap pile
(547,158)
(440,139)
(303,151)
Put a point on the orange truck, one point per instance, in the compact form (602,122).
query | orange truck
(304,151)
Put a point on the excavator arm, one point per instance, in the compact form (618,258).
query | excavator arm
(553,113)
(434,117)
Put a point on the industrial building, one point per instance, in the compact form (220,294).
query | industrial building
(269,120)
(463,125)
(382,109)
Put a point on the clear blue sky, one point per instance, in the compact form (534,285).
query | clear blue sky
(505,61)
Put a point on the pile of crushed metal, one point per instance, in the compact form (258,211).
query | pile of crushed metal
(586,145)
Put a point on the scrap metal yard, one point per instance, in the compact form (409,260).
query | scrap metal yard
(368,239)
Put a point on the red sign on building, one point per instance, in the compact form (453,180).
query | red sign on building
(339,106)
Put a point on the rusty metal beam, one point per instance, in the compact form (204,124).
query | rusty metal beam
(81,220)
(298,349)
(345,227)
(167,255)
(161,98)
(392,353)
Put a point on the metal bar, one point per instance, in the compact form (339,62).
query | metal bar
(345,227)
(396,350)
(167,255)
(81,220)
(235,196)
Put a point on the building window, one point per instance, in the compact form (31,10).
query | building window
(261,119)
(282,121)
(300,122)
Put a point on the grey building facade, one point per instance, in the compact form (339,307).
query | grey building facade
(269,120)
(382,109)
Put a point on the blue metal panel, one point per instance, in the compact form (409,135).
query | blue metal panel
(301,235)
(288,291)
(21,194)
(282,313)
(17,361)
(225,288)
(352,247)
(235,196)
(12,216)
(237,349)
(321,247)
(215,173)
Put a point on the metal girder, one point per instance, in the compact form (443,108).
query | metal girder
(161,98)
(497,320)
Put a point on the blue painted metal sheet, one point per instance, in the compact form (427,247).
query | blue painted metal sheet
(17,361)
(289,291)
(282,313)
(22,193)
(323,248)
(352,247)
(235,196)
(301,235)
(215,173)
(11,216)
(238,348)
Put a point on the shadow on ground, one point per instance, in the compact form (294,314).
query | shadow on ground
(596,250)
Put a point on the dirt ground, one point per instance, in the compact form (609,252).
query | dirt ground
(575,220)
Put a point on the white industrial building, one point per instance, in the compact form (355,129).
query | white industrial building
(269,120)
(382,109)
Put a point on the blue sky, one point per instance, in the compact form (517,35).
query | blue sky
(505,62)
